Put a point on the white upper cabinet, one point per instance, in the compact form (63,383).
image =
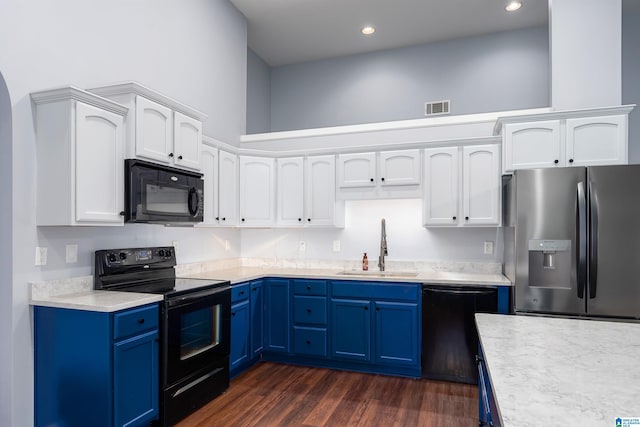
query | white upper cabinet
(481,185)
(257,191)
(441,186)
(585,139)
(462,186)
(210,170)
(567,138)
(228,189)
(290,193)
(80,153)
(532,145)
(321,207)
(388,174)
(159,128)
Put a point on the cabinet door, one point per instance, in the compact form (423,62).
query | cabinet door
(290,191)
(209,167)
(481,185)
(357,170)
(532,145)
(257,193)
(351,329)
(441,186)
(257,319)
(135,380)
(187,141)
(99,165)
(239,352)
(277,326)
(320,191)
(597,141)
(154,131)
(400,167)
(396,333)
(227,189)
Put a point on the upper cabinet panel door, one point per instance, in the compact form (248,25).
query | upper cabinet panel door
(481,185)
(257,193)
(357,170)
(209,166)
(320,190)
(227,189)
(441,186)
(400,167)
(187,141)
(597,141)
(532,145)
(154,131)
(290,191)
(99,165)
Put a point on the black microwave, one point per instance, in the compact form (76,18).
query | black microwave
(161,194)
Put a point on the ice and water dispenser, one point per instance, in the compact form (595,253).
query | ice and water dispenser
(550,263)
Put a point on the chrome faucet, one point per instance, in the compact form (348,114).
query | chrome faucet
(383,246)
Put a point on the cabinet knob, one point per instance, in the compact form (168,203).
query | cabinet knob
(382,179)
(121,213)
(224,219)
(308,342)
(299,219)
(308,287)
(466,218)
(455,217)
(366,307)
(242,219)
(308,310)
(233,313)
(556,161)
(170,154)
(241,292)
(377,308)
(254,289)
(570,160)
(371,180)
(308,219)
(217,218)
(179,157)
(141,321)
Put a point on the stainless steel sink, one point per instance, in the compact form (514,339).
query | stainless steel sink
(378,273)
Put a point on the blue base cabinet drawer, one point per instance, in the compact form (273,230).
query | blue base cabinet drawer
(135,321)
(310,287)
(310,310)
(310,341)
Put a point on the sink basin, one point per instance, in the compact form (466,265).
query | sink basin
(378,273)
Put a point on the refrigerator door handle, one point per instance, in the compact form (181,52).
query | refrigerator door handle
(581,237)
(593,250)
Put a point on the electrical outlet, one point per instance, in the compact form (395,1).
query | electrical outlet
(488,248)
(72,254)
(41,256)
(336,246)
(302,246)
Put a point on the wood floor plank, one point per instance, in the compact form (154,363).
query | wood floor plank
(271,394)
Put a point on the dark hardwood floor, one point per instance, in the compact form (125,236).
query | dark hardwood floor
(272,394)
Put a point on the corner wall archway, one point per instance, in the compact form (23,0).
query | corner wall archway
(6,258)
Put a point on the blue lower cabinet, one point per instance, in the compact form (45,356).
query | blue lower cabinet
(277,318)
(239,353)
(95,368)
(396,329)
(257,319)
(351,329)
(310,341)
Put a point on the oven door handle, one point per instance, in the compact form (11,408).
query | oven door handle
(196,296)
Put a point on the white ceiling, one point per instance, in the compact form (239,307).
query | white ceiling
(290,31)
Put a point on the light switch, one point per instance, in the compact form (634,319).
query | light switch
(302,246)
(336,246)
(72,254)
(41,256)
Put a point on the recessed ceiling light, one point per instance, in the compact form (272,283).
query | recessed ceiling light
(513,6)
(368,30)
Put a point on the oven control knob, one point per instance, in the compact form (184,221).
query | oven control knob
(112,257)
(123,256)
(168,253)
(161,252)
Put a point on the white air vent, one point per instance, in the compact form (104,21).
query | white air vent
(436,108)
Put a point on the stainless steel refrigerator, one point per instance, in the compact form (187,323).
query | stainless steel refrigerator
(572,240)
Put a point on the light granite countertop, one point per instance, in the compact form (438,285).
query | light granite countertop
(558,372)
(242,274)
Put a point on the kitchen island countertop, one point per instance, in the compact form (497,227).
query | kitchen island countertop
(557,372)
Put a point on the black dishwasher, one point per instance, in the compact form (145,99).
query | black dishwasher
(449,336)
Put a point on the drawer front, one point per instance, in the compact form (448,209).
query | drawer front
(309,287)
(310,310)
(376,290)
(135,321)
(310,341)
(239,292)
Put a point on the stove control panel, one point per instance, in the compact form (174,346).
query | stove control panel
(114,258)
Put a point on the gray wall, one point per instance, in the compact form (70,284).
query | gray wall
(501,71)
(258,94)
(631,78)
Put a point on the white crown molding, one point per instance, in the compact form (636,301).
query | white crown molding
(563,115)
(73,93)
(138,89)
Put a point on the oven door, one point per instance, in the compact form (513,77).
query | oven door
(162,194)
(198,327)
